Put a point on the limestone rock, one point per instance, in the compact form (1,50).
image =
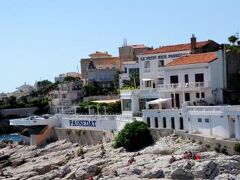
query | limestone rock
(80,174)
(181,173)
(154,173)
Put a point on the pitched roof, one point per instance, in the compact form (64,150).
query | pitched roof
(194,59)
(100,54)
(177,47)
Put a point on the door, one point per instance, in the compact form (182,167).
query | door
(148,122)
(181,123)
(232,128)
(177,100)
(172,123)
(172,99)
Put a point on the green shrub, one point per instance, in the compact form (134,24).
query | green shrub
(134,136)
(237,147)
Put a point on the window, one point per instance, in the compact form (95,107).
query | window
(147,64)
(148,122)
(160,80)
(173,79)
(148,83)
(187,96)
(186,78)
(156,122)
(197,95)
(164,122)
(206,120)
(202,95)
(199,120)
(127,103)
(199,77)
(160,63)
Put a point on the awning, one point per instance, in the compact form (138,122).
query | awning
(158,101)
(107,101)
(146,79)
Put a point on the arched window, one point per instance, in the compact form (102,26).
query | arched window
(172,123)
(156,122)
(164,122)
(181,122)
(148,122)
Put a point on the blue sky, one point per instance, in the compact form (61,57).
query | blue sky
(41,39)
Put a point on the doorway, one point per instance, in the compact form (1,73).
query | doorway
(172,123)
(181,123)
(232,128)
(177,100)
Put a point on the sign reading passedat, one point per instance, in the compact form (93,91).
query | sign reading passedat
(85,123)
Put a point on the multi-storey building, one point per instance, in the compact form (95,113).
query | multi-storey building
(66,95)
(61,77)
(129,60)
(182,88)
(101,61)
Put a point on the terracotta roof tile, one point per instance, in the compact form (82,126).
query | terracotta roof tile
(173,48)
(194,59)
(99,54)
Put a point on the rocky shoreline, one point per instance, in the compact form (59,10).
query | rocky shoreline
(66,160)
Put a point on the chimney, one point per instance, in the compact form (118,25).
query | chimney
(193,44)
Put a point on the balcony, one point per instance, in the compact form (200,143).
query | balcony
(183,86)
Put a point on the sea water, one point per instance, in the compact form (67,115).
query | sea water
(10,137)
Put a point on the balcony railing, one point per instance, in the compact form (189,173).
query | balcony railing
(191,85)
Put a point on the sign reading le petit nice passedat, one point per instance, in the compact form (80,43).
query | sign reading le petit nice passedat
(164,56)
(82,123)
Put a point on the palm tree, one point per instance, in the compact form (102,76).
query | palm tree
(238,42)
(232,39)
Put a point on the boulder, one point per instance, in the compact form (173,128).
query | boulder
(80,174)
(137,171)
(181,173)
(4,157)
(154,173)
(2,145)
(206,170)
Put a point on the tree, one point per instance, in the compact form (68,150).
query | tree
(238,42)
(133,82)
(232,39)
(116,80)
(134,136)
(71,79)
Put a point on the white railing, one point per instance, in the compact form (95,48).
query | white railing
(34,122)
(191,85)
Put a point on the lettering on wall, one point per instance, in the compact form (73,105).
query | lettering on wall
(165,56)
(82,123)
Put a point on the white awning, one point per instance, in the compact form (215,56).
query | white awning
(158,101)
(107,101)
(147,79)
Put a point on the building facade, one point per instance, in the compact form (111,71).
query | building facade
(101,61)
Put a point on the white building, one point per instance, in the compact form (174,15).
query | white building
(129,68)
(182,88)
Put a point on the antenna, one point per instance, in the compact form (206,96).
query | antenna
(124,42)
(237,34)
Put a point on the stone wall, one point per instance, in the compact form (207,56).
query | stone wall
(157,133)
(84,136)
(211,143)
